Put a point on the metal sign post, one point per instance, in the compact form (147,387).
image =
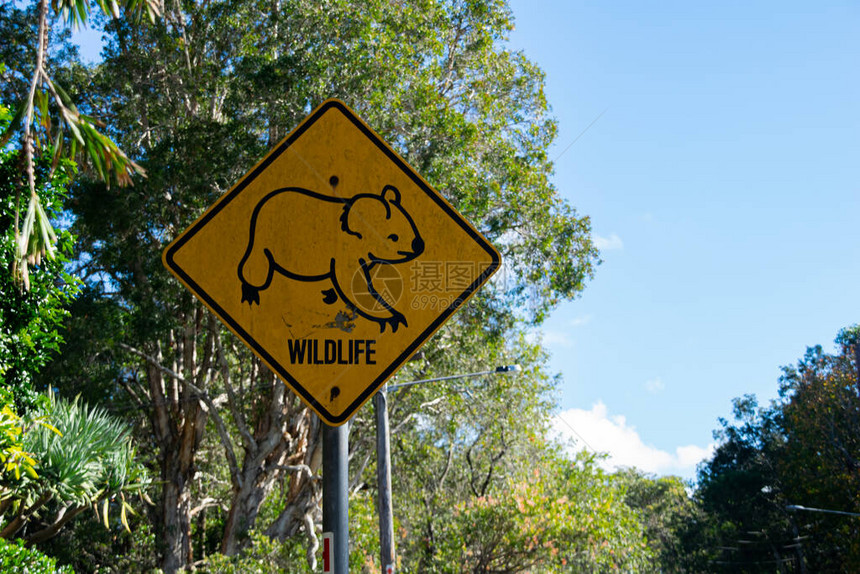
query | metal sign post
(335,504)
(383,478)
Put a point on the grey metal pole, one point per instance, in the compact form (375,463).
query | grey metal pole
(383,478)
(383,460)
(335,504)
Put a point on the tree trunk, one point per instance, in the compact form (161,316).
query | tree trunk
(304,499)
(177,472)
(175,524)
(178,421)
(284,440)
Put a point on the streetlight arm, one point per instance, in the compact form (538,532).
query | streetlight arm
(794,507)
(497,370)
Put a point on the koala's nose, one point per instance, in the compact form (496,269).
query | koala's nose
(417,246)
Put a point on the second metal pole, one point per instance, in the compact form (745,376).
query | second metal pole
(383,480)
(335,496)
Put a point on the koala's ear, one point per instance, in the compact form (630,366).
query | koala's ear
(391,193)
(364,214)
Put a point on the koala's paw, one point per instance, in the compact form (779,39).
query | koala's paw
(395,321)
(329,296)
(250,294)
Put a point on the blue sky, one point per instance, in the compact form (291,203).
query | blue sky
(721,176)
(722,182)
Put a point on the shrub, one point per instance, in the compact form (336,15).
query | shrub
(15,557)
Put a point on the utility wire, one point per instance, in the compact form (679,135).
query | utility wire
(585,442)
(582,133)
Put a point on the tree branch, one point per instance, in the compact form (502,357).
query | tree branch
(303,468)
(447,468)
(203,396)
(60,520)
(310,529)
(207,502)
(16,523)
(226,378)
(152,361)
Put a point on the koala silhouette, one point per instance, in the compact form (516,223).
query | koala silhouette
(357,234)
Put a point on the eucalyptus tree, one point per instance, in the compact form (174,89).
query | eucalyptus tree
(479,487)
(801,450)
(820,459)
(196,98)
(742,490)
(678,531)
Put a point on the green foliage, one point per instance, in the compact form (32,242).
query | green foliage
(514,530)
(741,489)
(48,127)
(262,556)
(86,545)
(848,337)
(606,533)
(548,516)
(678,531)
(364,534)
(85,460)
(565,516)
(91,457)
(90,366)
(819,461)
(30,320)
(15,557)
(13,458)
(459,441)
(801,450)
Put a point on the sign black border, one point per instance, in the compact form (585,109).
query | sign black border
(209,214)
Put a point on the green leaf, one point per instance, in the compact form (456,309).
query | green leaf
(65,99)
(122,515)
(14,124)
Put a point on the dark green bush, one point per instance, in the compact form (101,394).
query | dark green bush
(15,558)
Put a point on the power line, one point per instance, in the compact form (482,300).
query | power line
(591,448)
(582,133)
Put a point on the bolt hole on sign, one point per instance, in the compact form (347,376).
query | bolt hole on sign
(333,260)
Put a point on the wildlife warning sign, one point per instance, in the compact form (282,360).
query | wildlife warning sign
(333,260)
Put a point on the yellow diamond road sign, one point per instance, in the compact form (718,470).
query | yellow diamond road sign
(333,260)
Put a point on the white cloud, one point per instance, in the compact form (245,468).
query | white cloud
(599,431)
(557,338)
(560,338)
(613,242)
(655,386)
(691,455)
